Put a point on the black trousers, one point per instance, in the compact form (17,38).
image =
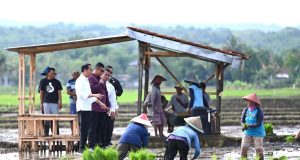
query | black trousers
(173,146)
(109,125)
(84,125)
(202,112)
(97,128)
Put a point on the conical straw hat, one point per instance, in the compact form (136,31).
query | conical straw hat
(142,119)
(158,78)
(178,86)
(194,122)
(252,97)
(191,79)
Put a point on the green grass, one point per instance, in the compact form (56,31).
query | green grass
(9,97)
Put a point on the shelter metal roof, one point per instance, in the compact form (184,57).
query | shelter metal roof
(156,40)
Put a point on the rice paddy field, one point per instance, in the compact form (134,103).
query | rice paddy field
(9,95)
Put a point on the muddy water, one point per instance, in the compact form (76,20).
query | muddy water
(276,149)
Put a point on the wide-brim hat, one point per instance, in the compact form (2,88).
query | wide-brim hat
(178,86)
(44,73)
(158,78)
(141,119)
(191,79)
(253,98)
(194,122)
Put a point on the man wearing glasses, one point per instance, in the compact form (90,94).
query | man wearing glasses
(115,82)
(50,97)
(98,114)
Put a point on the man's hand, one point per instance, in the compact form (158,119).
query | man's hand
(112,115)
(102,105)
(42,107)
(99,96)
(245,127)
(59,106)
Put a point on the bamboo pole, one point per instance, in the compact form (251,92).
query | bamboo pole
(173,76)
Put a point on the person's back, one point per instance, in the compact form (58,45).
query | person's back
(182,138)
(197,97)
(135,134)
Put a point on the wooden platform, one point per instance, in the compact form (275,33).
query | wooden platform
(32,136)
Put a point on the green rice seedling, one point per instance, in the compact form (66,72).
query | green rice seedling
(141,154)
(269,129)
(111,153)
(283,158)
(67,157)
(98,153)
(87,155)
(290,139)
(243,158)
(214,157)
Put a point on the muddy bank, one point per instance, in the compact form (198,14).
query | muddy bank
(292,151)
(9,150)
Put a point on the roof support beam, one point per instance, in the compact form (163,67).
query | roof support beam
(173,76)
(164,54)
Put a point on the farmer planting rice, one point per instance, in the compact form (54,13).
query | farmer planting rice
(253,128)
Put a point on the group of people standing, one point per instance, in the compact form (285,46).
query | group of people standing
(93,96)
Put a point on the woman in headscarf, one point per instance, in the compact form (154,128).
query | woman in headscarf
(253,126)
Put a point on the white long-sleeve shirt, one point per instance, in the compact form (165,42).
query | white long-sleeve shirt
(112,97)
(83,90)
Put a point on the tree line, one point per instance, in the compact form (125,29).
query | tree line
(271,53)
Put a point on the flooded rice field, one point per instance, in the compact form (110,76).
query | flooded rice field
(9,137)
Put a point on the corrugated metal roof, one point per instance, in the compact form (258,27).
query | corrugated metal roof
(230,52)
(186,48)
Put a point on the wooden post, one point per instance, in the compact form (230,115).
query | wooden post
(140,67)
(147,66)
(32,83)
(219,89)
(21,96)
(147,59)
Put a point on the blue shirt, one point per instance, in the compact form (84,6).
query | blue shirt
(190,135)
(251,117)
(71,86)
(135,134)
(196,95)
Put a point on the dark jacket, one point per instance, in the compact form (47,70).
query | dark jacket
(117,85)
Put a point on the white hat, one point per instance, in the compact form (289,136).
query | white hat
(142,119)
(194,122)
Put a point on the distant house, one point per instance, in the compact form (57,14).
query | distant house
(283,74)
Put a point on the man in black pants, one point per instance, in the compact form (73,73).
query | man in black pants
(113,83)
(99,114)
(85,98)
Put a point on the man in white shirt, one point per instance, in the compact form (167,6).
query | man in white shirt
(84,101)
(113,108)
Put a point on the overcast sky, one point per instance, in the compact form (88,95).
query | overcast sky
(279,12)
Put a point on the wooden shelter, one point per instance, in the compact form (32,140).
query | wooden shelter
(30,124)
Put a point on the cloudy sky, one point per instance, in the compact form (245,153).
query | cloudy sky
(278,12)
